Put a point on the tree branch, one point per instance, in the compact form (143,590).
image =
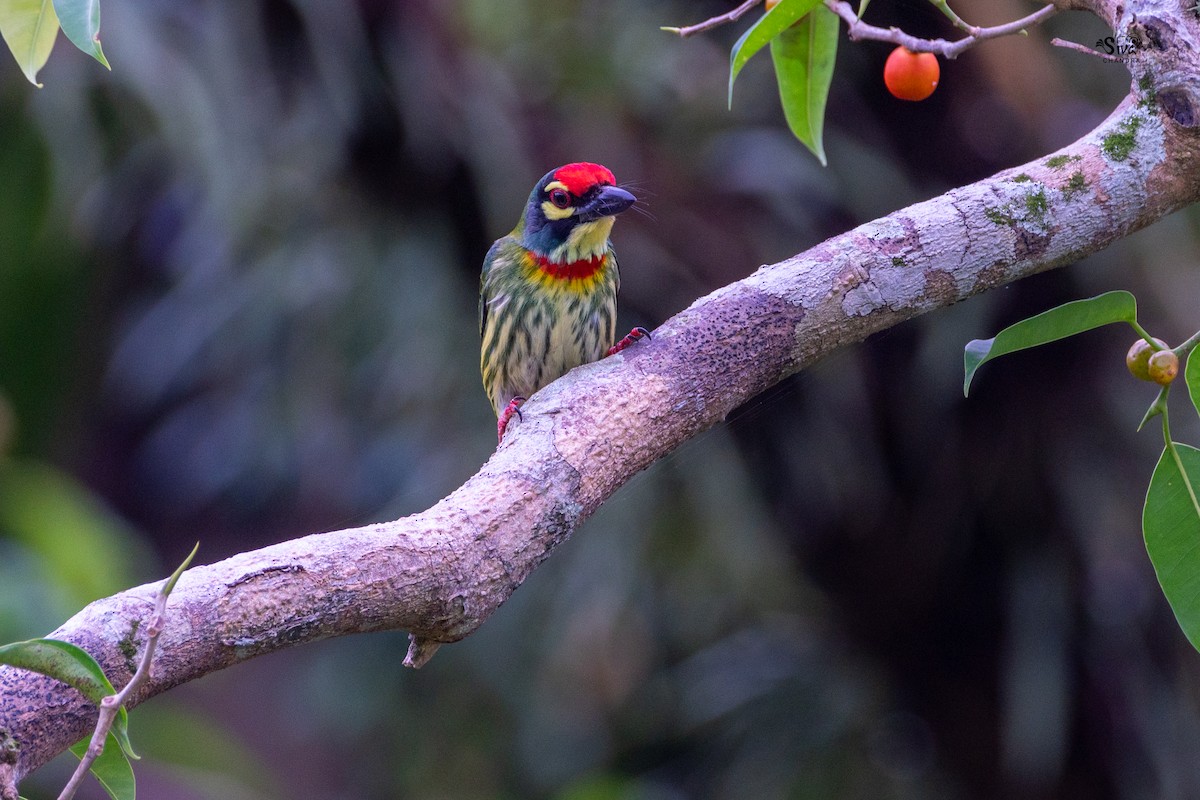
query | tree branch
(1057,42)
(714,22)
(441,573)
(858,30)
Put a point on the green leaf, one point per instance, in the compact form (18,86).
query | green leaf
(764,29)
(1171,527)
(1191,375)
(1049,326)
(73,666)
(804,55)
(111,768)
(862,8)
(62,661)
(30,28)
(169,584)
(80,20)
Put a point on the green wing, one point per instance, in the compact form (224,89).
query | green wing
(503,252)
(612,257)
(488,260)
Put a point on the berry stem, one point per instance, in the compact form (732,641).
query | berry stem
(1140,331)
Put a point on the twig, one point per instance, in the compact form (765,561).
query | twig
(1085,49)
(858,30)
(715,22)
(111,706)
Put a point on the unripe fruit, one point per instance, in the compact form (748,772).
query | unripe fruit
(1163,367)
(1138,358)
(909,75)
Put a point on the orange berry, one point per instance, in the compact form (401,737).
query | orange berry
(1163,367)
(1138,358)
(772,3)
(909,75)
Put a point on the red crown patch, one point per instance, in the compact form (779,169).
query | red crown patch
(582,175)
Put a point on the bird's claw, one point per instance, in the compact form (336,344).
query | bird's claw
(637,333)
(513,407)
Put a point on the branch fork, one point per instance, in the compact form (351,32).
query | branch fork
(858,30)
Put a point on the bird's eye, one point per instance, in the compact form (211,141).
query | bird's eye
(560,198)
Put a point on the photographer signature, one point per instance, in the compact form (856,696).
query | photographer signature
(1120,45)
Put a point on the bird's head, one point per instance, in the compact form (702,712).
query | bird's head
(571,212)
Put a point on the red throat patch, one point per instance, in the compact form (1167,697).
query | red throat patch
(582,175)
(583,269)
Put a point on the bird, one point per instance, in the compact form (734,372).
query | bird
(548,289)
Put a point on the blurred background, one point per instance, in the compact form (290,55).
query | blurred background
(238,287)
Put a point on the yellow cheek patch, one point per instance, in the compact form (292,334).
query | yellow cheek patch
(554,212)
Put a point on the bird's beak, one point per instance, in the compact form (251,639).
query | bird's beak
(610,201)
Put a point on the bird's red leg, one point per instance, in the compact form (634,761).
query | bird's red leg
(637,333)
(513,407)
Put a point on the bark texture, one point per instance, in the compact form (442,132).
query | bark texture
(439,574)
